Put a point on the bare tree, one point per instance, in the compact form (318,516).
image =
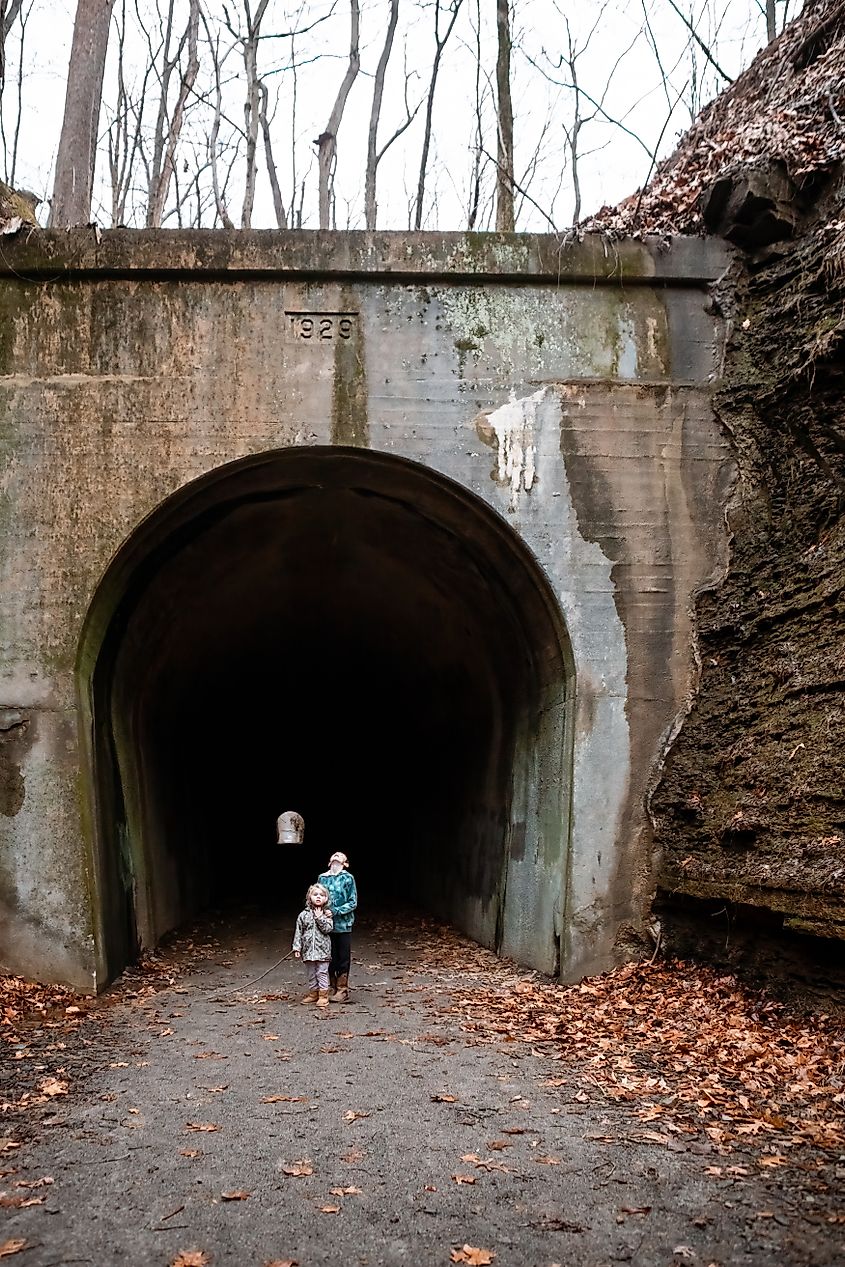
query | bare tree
(9,10)
(439,45)
(375,114)
(11,147)
(168,126)
(327,141)
(504,112)
(252,105)
(71,203)
(275,188)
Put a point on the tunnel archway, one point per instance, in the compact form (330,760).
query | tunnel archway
(344,633)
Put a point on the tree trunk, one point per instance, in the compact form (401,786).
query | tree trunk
(504,147)
(370,206)
(327,141)
(74,181)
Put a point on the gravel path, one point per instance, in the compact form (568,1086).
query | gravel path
(375,1133)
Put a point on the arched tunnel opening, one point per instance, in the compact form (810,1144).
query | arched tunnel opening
(351,636)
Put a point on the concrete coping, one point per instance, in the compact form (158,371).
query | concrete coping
(451,258)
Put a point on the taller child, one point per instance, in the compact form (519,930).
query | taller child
(343,899)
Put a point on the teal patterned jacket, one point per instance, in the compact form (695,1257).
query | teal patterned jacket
(343,898)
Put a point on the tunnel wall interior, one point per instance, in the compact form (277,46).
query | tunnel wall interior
(350,636)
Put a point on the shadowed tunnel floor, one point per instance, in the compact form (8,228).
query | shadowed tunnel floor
(377,1134)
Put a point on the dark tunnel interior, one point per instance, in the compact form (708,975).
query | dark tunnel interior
(334,648)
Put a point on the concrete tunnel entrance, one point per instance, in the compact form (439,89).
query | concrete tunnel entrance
(350,635)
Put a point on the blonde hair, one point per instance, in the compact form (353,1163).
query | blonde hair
(315,888)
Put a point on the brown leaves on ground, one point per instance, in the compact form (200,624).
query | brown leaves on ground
(11,1247)
(284,1099)
(190,1258)
(352,1115)
(237,1195)
(297,1169)
(349,1191)
(22,1000)
(330,1209)
(282,1262)
(471,1254)
(201,1126)
(689,1049)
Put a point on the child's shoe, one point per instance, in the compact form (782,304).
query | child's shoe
(341,994)
(311,997)
(323,998)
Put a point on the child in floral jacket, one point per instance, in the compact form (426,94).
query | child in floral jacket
(312,943)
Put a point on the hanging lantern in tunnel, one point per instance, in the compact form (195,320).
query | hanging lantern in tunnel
(290,828)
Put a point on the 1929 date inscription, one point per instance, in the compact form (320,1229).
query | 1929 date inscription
(321,327)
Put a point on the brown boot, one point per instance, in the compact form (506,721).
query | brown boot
(323,998)
(310,997)
(341,994)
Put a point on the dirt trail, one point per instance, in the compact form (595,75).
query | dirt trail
(380,1132)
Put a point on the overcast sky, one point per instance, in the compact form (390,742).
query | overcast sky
(618,68)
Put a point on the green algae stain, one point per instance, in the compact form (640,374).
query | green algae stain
(350,416)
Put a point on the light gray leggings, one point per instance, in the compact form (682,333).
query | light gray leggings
(318,973)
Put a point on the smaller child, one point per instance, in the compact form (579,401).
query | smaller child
(312,943)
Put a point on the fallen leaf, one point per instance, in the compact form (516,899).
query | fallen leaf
(53,1086)
(352,1115)
(11,1247)
(683,1251)
(209,1055)
(496,1145)
(445,1099)
(354,1155)
(298,1168)
(216,1090)
(237,1195)
(284,1099)
(201,1126)
(471,1254)
(350,1191)
(635,1209)
(548,1161)
(19,1203)
(330,1209)
(190,1152)
(464,1178)
(33,1183)
(283,1262)
(190,1258)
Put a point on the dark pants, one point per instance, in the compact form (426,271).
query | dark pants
(341,954)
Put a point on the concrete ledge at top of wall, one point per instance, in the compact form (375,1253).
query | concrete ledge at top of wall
(43,254)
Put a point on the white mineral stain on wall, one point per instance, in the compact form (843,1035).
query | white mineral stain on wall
(513,425)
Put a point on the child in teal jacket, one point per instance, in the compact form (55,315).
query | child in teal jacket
(343,899)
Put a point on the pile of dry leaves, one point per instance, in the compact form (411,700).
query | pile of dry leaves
(787,106)
(691,1051)
(22,1001)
